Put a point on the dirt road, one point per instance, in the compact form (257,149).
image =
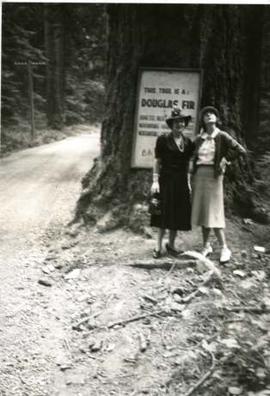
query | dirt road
(38,192)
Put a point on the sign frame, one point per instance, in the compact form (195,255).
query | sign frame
(198,71)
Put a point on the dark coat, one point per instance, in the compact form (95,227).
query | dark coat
(226,147)
(174,191)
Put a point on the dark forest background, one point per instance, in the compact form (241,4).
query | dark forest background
(62,47)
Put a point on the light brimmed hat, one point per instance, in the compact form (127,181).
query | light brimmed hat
(211,109)
(176,114)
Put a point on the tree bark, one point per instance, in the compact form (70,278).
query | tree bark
(252,77)
(215,38)
(263,145)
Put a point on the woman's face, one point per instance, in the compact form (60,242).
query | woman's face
(178,125)
(209,117)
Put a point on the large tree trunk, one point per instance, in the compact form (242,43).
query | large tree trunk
(254,26)
(215,38)
(264,137)
(54,48)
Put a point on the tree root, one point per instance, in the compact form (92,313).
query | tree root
(208,264)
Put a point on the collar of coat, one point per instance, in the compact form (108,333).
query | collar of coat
(204,135)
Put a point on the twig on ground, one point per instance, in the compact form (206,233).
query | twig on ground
(189,297)
(204,377)
(85,320)
(66,343)
(235,320)
(158,314)
(164,328)
(134,319)
(150,298)
(170,271)
(22,380)
(165,277)
(142,342)
(251,309)
(239,299)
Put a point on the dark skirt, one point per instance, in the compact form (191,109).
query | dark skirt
(175,202)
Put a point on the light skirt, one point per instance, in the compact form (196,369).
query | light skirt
(207,199)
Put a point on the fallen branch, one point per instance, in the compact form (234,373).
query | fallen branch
(165,263)
(163,312)
(134,319)
(251,309)
(204,377)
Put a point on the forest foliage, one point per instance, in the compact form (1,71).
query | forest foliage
(79,29)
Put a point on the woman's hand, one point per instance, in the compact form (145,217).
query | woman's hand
(189,183)
(155,187)
(223,163)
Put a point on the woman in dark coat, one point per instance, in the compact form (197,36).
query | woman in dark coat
(170,178)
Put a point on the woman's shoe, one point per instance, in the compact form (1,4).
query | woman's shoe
(173,252)
(156,254)
(225,255)
(207,250)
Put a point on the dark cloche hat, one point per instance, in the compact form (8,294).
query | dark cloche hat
(177,115)
(211,109)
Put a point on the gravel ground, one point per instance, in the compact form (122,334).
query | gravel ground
(78,318)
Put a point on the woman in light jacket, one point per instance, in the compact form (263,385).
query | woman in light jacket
(213,150)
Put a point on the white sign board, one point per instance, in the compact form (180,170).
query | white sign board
(159,90)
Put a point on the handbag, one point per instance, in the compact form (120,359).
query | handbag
(154,204)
